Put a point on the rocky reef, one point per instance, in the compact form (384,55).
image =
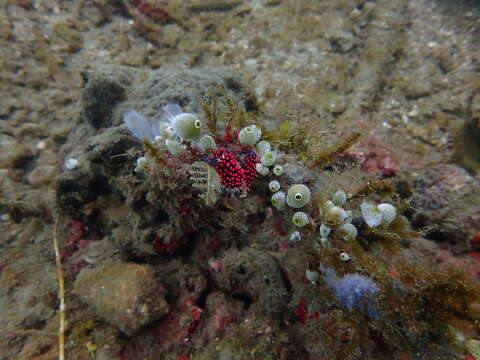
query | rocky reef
(244,179)
(198,246)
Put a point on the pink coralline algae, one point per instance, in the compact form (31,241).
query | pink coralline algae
(234,174)
(374,161)
(380,162)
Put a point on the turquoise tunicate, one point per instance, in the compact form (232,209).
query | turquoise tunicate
(278,200)
(298,196)
(274,186)
(300,219)
(268,159)
(187,126)
(263,146)
(250,135)
(278,170)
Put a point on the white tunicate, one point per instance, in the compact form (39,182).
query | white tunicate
(207,142)
(42,145)
(264,146)
(262,170)
(274,186)
(350,231)
(174,147)
(169,111)
(339,198)
(300,219)
(139,125)
(278,170)
(141,164)
(278,200)
(71,164)
(268,159)
(344,257)
(389,213)
(5,217)
(371,214)
(295,236)
(324,231)
(312,276)
(142,161)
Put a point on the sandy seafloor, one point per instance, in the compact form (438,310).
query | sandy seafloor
(406,73)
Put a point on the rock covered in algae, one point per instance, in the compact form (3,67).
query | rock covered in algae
(447,196)
(107,152)
(254,276)
(127,295)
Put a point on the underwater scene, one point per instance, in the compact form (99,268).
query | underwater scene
(240,180)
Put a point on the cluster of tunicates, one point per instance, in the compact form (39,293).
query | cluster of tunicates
(142,163)
(335,216)
(267,156)
(172,128)
(297,196)
(251,135)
